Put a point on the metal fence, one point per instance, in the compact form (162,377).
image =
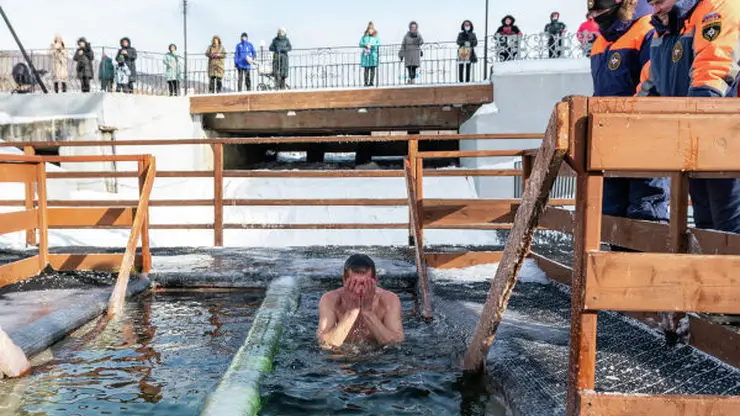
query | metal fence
(331,67)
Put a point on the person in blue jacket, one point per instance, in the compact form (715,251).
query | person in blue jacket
(243,60)
(618,57)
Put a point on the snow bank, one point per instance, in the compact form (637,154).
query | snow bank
(530,273)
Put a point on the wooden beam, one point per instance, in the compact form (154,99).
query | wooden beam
(469,153)
(452,212)
(617,404)
(11,222)
(335,226)
(350,98)
(17,172)
(146,254)
(716,242)
(43,221)
(30,194)
(678,142)
(462,259)
(657,282)
(90,262)
(416,224)
(663,105)
(115,304)
(218,195)
(90,217)
(578,133)
(544,172)
(558,219)
(635,234)
(556,271)
(719,341)
(19,270)
(338,121)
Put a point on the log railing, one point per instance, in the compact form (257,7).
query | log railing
(37,218)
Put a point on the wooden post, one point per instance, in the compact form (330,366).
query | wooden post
(678,243)
(587,236)
(545,170)
(30,194)
(527,162)
(115,304)
(218,195)
(419,191)
(421,267)
(43,212)
(412,154)
(146,254)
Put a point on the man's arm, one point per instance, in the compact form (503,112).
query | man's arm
(390,329)
(331,333)
(716,46)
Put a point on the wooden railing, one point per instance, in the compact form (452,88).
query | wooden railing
(440,214)
(37,218)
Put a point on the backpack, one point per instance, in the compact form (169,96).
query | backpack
(22,75)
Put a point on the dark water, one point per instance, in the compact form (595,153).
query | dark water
(419,377)
(164,357)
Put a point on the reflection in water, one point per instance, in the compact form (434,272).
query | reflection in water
(420,376)
(164,355)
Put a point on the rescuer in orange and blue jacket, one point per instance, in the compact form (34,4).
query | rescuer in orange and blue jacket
(617,59)
(696,53)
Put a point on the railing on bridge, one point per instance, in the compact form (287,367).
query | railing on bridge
(330,67)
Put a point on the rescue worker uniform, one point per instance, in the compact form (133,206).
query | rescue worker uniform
(697,54)
(617,59)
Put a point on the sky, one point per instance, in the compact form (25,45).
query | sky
(153,24)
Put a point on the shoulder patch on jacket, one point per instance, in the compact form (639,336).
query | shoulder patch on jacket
(677,53)
(615,61)
(711,31)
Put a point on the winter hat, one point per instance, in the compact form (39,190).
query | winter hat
(169,48)
(244,35)
(602,4)
(413,23)
(553,14)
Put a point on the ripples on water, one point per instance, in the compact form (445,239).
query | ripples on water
(419,377)
(165,356)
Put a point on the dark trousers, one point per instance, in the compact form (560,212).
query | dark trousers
(106,85)
(130,88)
(716,204)
(639,199)
(215,85)
(412,72)
(174,87)
(281,84)
(246,78)
(58,84)
(464,72)
(85,84)
(369,76)
(124,88)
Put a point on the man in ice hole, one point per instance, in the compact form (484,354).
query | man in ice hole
(359,311)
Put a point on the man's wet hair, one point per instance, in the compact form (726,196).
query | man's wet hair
(359,263)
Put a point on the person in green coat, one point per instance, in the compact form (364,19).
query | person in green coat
(280,47)
(106,73)
(370,44)
(173,71)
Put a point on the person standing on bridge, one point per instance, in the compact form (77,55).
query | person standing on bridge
(129,57)
(411,51)
(216,55)
(280,47)
(243,60)
(173,71)
(466,43)
(59,65)
(617,59)
(508,37)
(84,56)
(555,32)
(696,53)
(370,44)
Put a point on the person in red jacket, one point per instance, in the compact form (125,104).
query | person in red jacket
(587,33)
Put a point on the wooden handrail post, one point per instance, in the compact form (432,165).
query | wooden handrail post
(527,161)
(421,267)
(146,254)
(419,191)
(43,212)
(218,195)
(413,151)
(30,196)
(587,237)
(678,242)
